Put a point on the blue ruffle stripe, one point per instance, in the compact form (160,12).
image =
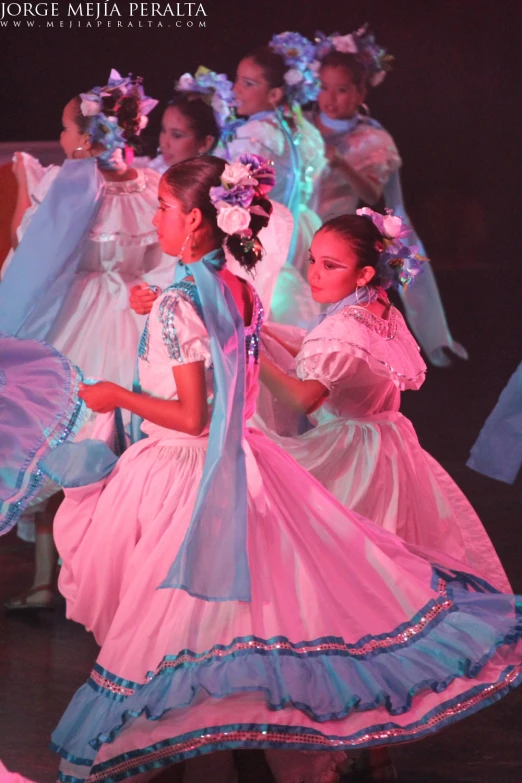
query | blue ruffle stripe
(439,718)
(325,685)
(74,417)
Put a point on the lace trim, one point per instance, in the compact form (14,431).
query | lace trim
(167,315)
(392,370)
(137,185)
(124,238)
(386,329)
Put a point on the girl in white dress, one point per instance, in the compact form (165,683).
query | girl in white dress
(191,126)
(267,97)
(69,279)
(363,165)
(347,375)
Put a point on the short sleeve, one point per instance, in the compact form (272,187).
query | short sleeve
(177,332)
(373,152)
(326,361)
(258,138)
(39,181)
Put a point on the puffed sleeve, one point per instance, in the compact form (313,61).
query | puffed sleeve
(356,343)
(39,181)
(372,151)
(177,332)
(257,137)
(326,361)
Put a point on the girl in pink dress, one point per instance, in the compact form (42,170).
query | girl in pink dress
(347,374)
(237,603)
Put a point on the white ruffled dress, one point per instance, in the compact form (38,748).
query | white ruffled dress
(363,449)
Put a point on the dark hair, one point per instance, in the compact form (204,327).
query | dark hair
(126,109)
(351,63)
(364,238)
(272,65)
(190,182)
(198,113)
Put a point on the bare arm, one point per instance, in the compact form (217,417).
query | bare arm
(302,396)
(189,413)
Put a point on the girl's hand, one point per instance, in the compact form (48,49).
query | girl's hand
(142,297)
(101,397)
(18,168)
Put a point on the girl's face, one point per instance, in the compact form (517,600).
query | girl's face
(178,141)
(333,271)
(171,222)
(252,92)
(339,98)
(71,138)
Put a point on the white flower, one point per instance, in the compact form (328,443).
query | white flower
(378,78)
(293,76)
(186,82)
(232,220)
(89,108)
(236,174)
(144,121)
(392,226)
(345,44)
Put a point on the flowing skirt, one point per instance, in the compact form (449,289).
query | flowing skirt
(351,639)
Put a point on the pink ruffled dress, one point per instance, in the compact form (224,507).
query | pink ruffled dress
(349,639)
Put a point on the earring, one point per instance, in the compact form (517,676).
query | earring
(193,246)
(183,246)
(364,297)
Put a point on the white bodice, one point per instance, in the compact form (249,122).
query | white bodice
(175,334)
(363,360)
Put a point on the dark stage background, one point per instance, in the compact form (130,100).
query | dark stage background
(453,105)
(451,102)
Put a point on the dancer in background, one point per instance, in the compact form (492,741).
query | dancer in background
(240,540)
(363,165)
(191,127)
(347,375)
(86,238)
(194,118)
(497,452)
(271,85)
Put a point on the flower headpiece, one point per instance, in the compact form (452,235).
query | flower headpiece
(301,79)
(104,127)
(363,46)
(244,186)
(214,88)
(399,263)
